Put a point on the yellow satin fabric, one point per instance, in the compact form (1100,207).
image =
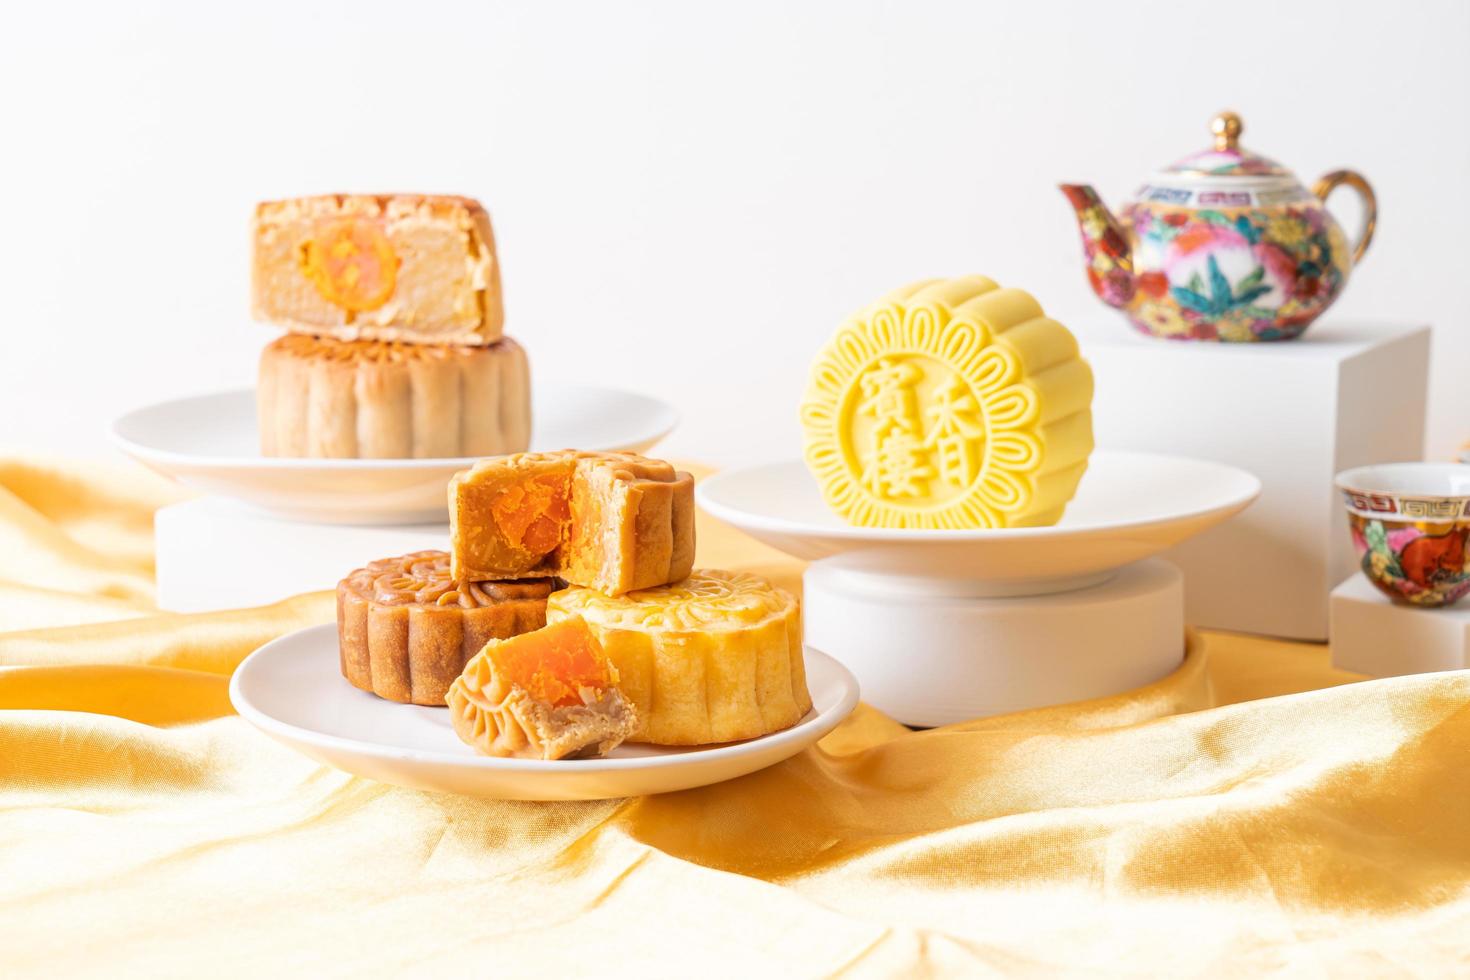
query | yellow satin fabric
(1187,828)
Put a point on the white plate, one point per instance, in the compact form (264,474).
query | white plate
(292,689)
(1129,506)
(210,443)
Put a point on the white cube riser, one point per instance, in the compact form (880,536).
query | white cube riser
(1373,635)
(1293,413)
(214,554)
(937,660)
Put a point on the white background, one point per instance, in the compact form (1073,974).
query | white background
(688,197)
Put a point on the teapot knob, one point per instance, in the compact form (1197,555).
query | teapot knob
(1226,127)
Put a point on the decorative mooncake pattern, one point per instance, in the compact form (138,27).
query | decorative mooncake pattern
(706,600)
(949,404)
(714,658)
(406,629)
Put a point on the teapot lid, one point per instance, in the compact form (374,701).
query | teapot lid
(1226,158)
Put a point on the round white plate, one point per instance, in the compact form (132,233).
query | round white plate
(292,689)
(210,442)
(1129,506)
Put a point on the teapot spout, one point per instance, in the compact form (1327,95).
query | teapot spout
(1106,246)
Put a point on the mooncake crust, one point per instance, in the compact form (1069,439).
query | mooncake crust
(714,658)
(368,399)
(435,253)
(949,404)
(406,629)
(498,718)
(629,522)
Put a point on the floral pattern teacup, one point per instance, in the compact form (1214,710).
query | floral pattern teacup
(1410,523)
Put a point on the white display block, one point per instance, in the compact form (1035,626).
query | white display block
(1294,413)
(1373,635)
(215,554)
(927,658)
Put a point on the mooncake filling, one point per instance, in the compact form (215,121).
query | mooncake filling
(610,521)
(532,515)
(555,665)
(550,694)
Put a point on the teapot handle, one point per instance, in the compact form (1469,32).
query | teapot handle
(1355,180)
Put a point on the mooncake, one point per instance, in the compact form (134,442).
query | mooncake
(405,629)
(417,268)
(714,658)
(551,694)
(609,521)
(370,399)
(950,403)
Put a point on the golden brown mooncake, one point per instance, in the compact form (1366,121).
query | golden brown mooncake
(609,521)
(550,694)
(418,268)
(369,399)
(405,629)
(714,658)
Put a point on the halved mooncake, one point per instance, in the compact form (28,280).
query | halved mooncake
(551,694)
(714,658)
(609,521)
(405,629)
(369,399)
(419,268)
(950,403)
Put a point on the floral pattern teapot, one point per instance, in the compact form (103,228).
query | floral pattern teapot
(1223,245)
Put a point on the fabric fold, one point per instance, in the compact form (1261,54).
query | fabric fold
(1252,812)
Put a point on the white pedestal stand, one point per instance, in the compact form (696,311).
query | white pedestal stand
(946,626)
(215,554)
(1373,635)
(985,654)
(1293,413)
